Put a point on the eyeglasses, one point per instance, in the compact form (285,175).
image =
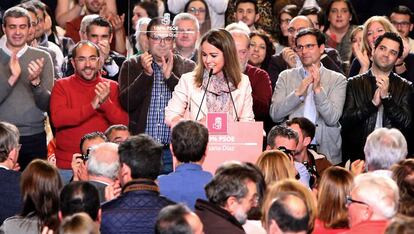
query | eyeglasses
(197,11)
(349,201)
(158,39)
(404,23)
(299,48)
(91,59)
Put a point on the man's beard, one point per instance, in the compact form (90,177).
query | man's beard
(241,216)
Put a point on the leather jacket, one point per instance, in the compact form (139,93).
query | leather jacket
(360,114)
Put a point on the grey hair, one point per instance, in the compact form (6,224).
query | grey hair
(239,26)
(86,20)
(16,12)
(186,16)
(385,147)
(140,22)
(379,192)
(98,168)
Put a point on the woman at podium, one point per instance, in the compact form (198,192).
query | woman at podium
(216,85)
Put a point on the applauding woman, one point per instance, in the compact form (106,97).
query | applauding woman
(216,85)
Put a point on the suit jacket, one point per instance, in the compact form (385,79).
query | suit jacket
(135,88)
(329,103)
(187,97)
(11,204)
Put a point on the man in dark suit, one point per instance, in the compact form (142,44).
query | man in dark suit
(9,178)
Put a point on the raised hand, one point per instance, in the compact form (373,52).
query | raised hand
(289,55)
(35,68)
(15,69)
(167,65)
(314,72)
(303,86)
(146,62)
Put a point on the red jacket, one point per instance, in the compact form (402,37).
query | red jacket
(73,116)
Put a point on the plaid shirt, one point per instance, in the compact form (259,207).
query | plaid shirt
(160,96)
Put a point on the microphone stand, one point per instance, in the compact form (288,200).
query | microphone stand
(204,95)
(231,96)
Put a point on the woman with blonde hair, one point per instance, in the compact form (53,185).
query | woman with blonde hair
(335,185)
(216,85)
(275,166)
(290,185)
(372,29)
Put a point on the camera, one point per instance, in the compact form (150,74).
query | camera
(85,157)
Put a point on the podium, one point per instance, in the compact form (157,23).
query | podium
(241,141)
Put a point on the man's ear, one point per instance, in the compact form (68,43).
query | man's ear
(306,141)
(273,228)
(125,174)
(257,17)
(231,204)
(99,218)
(60,216)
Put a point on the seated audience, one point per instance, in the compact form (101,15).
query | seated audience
(9,177)
(178,219)
(77,197)
(335,185)
(188,145)
(287,214)
(117,133)
(40,185)
(79,223)
(231,194)
(136,209)
(403,174)
(290,185)
(276,166)
(372,203)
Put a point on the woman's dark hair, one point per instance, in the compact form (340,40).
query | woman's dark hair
(206,26)
(354,20)
(40,184)
(150,7)
(270,48)
(291,10)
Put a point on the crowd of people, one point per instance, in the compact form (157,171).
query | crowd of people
(98,98)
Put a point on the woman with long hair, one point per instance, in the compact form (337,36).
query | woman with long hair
(284,16)
(40,184)
(216,85)
(275,166)
(403,174)
(261,49)
(335,185)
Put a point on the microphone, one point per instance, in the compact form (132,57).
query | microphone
(231,96)
(205,91)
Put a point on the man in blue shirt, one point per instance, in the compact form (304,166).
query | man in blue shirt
(188,144)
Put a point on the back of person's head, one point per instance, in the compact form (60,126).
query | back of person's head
(40,185)
(280,131)
(275,166)
(384,147)
(142,155)
(79,223)
(379,192)
(79,196)
(9,139)
(335,185)
(306,126)
(289,212)
(189,141)
(290,185)
(401,225)
(171,220)
(103,160)
(403,174)
(229,182)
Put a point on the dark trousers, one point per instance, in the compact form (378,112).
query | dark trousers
(33,147)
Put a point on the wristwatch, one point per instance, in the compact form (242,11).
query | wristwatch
(388,96)
(108,61)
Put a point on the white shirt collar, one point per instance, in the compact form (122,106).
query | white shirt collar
(6,50)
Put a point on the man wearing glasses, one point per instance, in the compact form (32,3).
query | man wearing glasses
(289,58)
(82,103)
(372,202)
(314,92)
(402,18)
(146,84)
